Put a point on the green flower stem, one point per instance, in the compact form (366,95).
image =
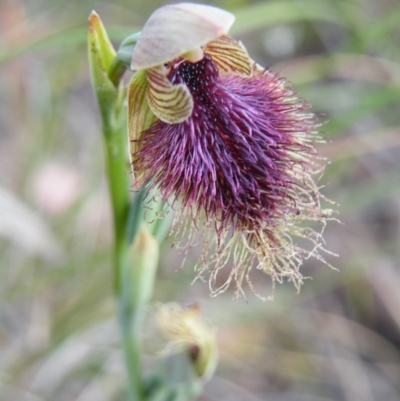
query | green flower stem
(116,168)
(117,174)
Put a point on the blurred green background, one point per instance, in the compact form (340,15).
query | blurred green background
(338,340)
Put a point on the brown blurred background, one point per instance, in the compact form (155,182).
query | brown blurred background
(338,340)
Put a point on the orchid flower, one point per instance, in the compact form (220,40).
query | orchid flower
(229,142)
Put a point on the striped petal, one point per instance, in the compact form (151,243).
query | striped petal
(140,116)
(170,103)
(230,56)
(175,29)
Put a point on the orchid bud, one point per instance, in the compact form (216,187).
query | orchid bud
(101,55)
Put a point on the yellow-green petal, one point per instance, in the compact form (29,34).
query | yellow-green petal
(230,56)
(170,103)
(175,29)
(140,116)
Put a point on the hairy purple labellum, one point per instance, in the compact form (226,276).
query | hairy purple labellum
(232,157)
(243,162)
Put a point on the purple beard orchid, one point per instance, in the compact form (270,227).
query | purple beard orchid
(230,141)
